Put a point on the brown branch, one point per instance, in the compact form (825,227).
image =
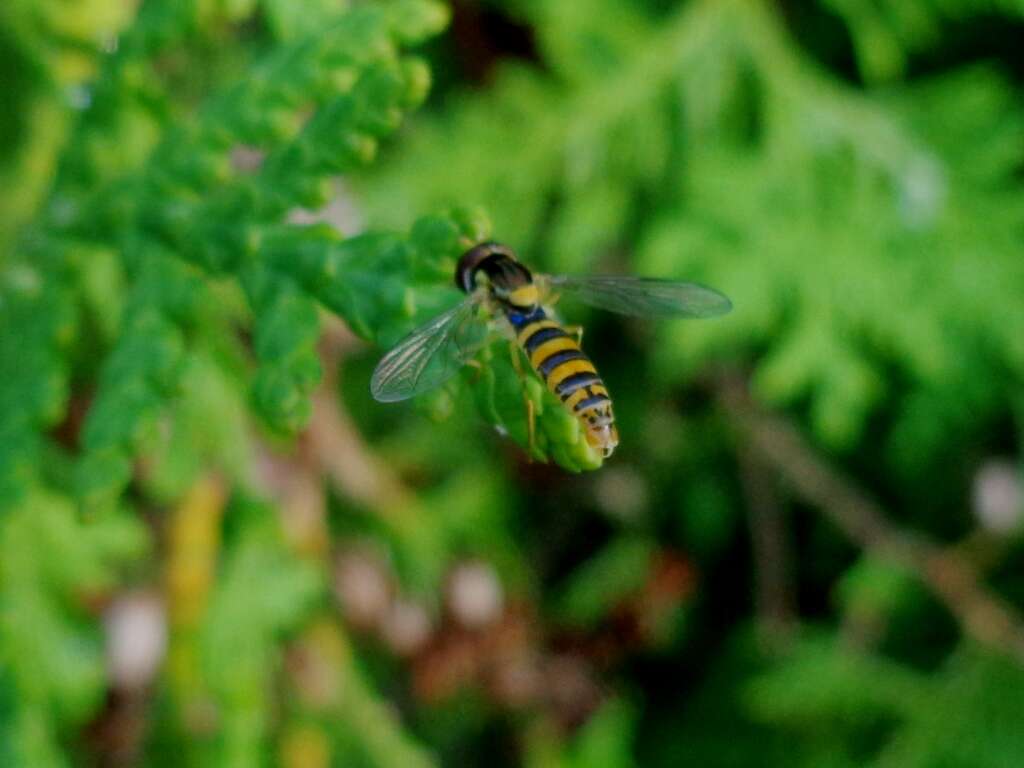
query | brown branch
(982,615)
(774,601)
(331,449)
(336,447)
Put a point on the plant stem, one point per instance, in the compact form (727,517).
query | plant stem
(982,615)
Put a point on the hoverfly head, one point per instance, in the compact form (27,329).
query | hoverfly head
(508,280)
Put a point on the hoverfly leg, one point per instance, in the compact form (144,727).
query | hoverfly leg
(531,428)
(477,366)
(530,410)
(576,331)
(513,352)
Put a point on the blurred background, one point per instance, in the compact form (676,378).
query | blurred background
(217,550)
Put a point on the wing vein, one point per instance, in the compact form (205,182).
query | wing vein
(430,355)
(643,296)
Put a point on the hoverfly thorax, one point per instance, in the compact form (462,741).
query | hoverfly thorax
(507,280)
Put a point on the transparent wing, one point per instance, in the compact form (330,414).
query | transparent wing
(430,355)
(642,296)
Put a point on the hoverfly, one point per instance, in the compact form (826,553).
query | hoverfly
(503,293)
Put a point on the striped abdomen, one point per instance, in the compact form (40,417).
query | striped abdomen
(568,374)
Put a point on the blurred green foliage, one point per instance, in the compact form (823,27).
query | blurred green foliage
(172,394)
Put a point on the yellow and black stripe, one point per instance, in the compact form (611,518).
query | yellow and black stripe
(561,364)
